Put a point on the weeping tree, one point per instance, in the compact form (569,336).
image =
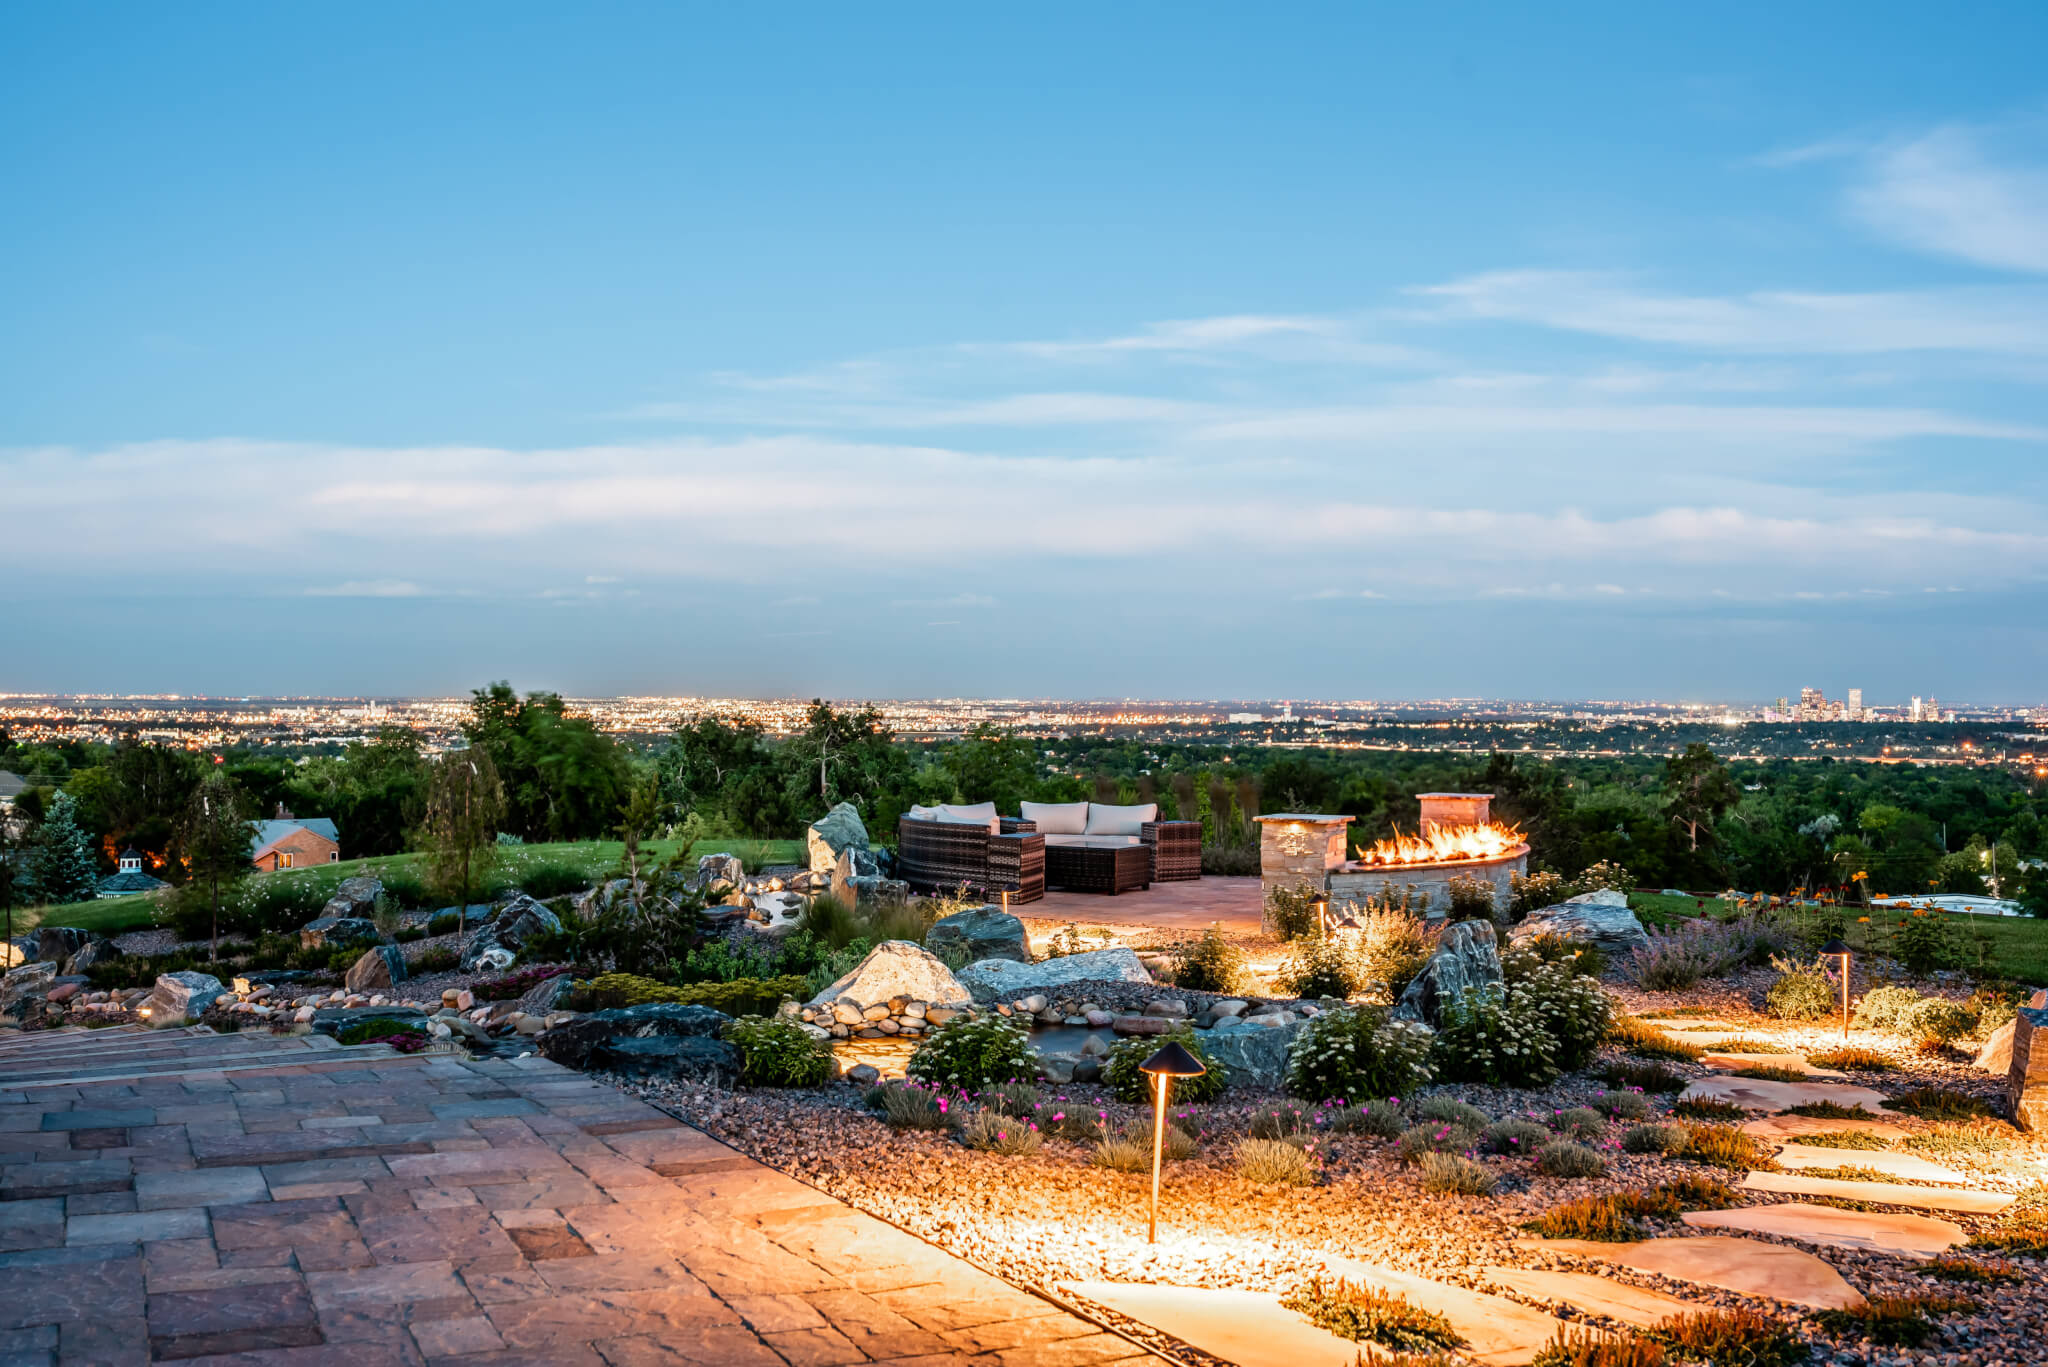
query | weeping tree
(465,803)
(214,838)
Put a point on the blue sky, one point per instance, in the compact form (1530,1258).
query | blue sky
(1175,351)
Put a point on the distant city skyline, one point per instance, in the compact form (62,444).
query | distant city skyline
(1066,353)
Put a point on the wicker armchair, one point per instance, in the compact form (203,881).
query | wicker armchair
(1176,850)
(941,856)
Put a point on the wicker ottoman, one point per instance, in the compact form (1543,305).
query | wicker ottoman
(1108,869)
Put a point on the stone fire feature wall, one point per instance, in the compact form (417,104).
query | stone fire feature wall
(1354,884)
(1300,847)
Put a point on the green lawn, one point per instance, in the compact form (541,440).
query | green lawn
(2014,947)
(592,858)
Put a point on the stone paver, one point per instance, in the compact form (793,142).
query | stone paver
(1596,1295)
(1902,1235)
(1499,1331)
(1750,1266)
(311,1205)
(1912,1167)
(1779,1128)
(1889,1193)
(1249,1328)
(1758,1094)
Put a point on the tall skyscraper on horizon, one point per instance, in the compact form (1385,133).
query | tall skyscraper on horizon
(1855,704)
(1916,713)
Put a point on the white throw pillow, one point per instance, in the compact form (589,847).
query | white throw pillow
(924,813)
(1056,818)
(1120,820)
(974,814)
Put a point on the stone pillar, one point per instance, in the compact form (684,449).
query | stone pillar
(1454,809)
(1300,847)
(2028,1077)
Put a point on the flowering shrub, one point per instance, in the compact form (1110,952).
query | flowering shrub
(1392,947)
(1881,1007)
(778,1052)
(1563,1158)
(1572,1007)
(1924,941)
(1472,899)
(1355,1054)
(1122,1075)
(993,1132)
(1537,891)
(1210,964)
(1801,993)
(1494,1036)
(1934,1020)
(1679,957)
(973,1053)
(1515,1136)
(1606,876)
(1436,1136)
(1322,966)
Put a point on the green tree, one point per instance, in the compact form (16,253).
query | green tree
(990,764)
(1698,790)
(374,790)
(214,839)
(65,870)
(465,803)
(562,778)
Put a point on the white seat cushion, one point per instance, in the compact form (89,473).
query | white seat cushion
(1104,820)
(1056,818)
(1092,842)
(923,813)
(975,813)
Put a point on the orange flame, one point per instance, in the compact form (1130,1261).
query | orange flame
(1444,845)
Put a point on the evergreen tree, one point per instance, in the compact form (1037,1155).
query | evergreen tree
(65,870)
(215,839)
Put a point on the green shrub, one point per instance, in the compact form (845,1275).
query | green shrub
(1936,1021)
(444,923)
(740,997)
(1538,891)
(437,960)
(1906,1321)
(1669,1140)
(1322,966)
(1621,1105)
(1732,1338)
(974,1053)
(1452,1110)
(1995,1003)
(1452,1174)
(1582,957)
(1724,1146)
(1648,1077)
(1292,911)
(1013,1099)
(1606,876)
(1392,947)
(1563,1158)
(1274,1162)
(1939,1103)
(405,935)
(1515,1136)
(1357,1053)
(1368,1315)
(1381,1119)
(1437,1136)
(1923,941)
(1210,964)
(1122,1074)
(543,881)
(1571,1007)
(1880,1007)
(993,1132)
(1582,1123)
(909,1106)
(1800,994)
(1573,1347)
(778,1052)
(1496,1037)
(1471,899)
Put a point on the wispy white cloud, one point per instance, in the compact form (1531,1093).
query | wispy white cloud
(368,588)
(1975,194)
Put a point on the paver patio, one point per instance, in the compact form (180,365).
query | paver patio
(261,1200)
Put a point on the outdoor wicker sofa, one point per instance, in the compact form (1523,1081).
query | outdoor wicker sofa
(1175,847)
(943,849)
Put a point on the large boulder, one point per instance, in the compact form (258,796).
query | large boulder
(1467,956)
(483,952)
(59,943)
(1603,918)
(338,932)
(982,933)
(178,997)
(840,831)
(29,980)
(381,967)
(669,1056)
(355,897)
(548,995)
(574,1044)
(492,948)
(332,1020)
(92,954)
(1256,1055)
(718,873)
(2027,1076)
(1005,978)
(897,968)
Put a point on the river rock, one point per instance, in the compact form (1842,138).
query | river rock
(1600,918)
(178,997)
(897,968)
(337,932)
(1008,979)
(356,897)
(1467,956)
(1255,1055)
(380,967)
(840,831)
(981,933)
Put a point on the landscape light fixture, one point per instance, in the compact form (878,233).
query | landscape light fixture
(1323,917)
(1836,946)
(1163,1067)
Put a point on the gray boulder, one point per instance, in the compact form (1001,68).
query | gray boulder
(178,997)
(484,952)
(897,968)
(545,997)
(840,831)
(1006,978)
(1256,1055)
(1601,918)
(29,980)
(522,919)
(93,953)
(381,967)
(574,1044)
(670,1056)
(337,932)
(1467,956)
(355,897)
(719,873)
(983,933)
(332,1020)
(59,943)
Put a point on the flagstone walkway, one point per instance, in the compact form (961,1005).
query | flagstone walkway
(274,1201)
